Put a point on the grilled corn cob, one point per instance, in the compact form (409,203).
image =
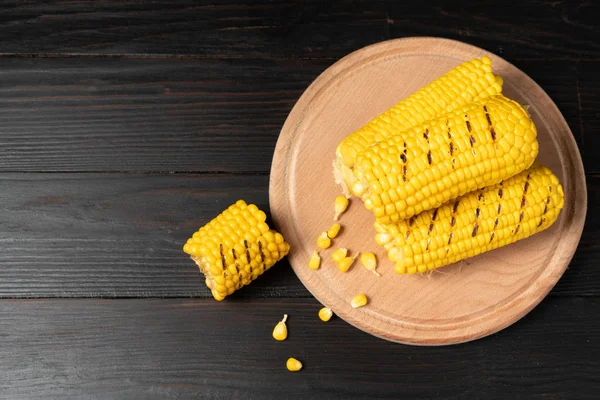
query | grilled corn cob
(444,158)
(235,248)
(470,81)
(480,221)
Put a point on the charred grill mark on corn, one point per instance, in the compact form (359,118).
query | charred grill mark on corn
(247,251)
(523,203)
(262,255)
(490,125)
(237,267)
(541,222)
(463,240)
(430,182)
(455,206)
(468,124)
(222,256)
(227,248)
(451,145)
(404,160)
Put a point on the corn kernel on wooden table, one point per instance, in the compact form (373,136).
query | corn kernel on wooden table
(125,126)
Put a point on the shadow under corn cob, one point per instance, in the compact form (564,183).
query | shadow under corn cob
(477,222)
(446,157)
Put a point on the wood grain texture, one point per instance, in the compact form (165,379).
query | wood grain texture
(120,235)
(174,349)
(116,235)
(455,304)
(539,29)
(71,114)
(220,28)
(588,94)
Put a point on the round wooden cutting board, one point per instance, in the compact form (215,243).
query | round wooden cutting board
(458,303)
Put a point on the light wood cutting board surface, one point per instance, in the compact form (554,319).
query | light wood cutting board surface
(454,304)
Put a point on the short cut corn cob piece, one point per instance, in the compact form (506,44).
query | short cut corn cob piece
(470,81)
(235,248)
(444,158)
(474,223)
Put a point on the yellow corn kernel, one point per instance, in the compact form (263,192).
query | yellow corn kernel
(345,264)
(333,231)
(339,254)
(477,222)
(441,159)
(470,81)
(325,314)
(357,188)
(293,365)
(324,241)
(235,248)
(358,301)
(280,331)
(370,262)
(315,261)
(340,205)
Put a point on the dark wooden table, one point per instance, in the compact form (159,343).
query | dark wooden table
(126,125)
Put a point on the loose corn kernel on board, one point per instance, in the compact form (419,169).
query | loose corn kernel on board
(457,303)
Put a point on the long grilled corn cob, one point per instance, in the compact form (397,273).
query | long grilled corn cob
(235,248)
(474,223)
(470,81)
(441,159)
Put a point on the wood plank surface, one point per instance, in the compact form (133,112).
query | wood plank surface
(81,114)
(173,349)
(71,114)
(126,125)
(221,28)
(538,29)
(248,28)
(588,89)
(120,235)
